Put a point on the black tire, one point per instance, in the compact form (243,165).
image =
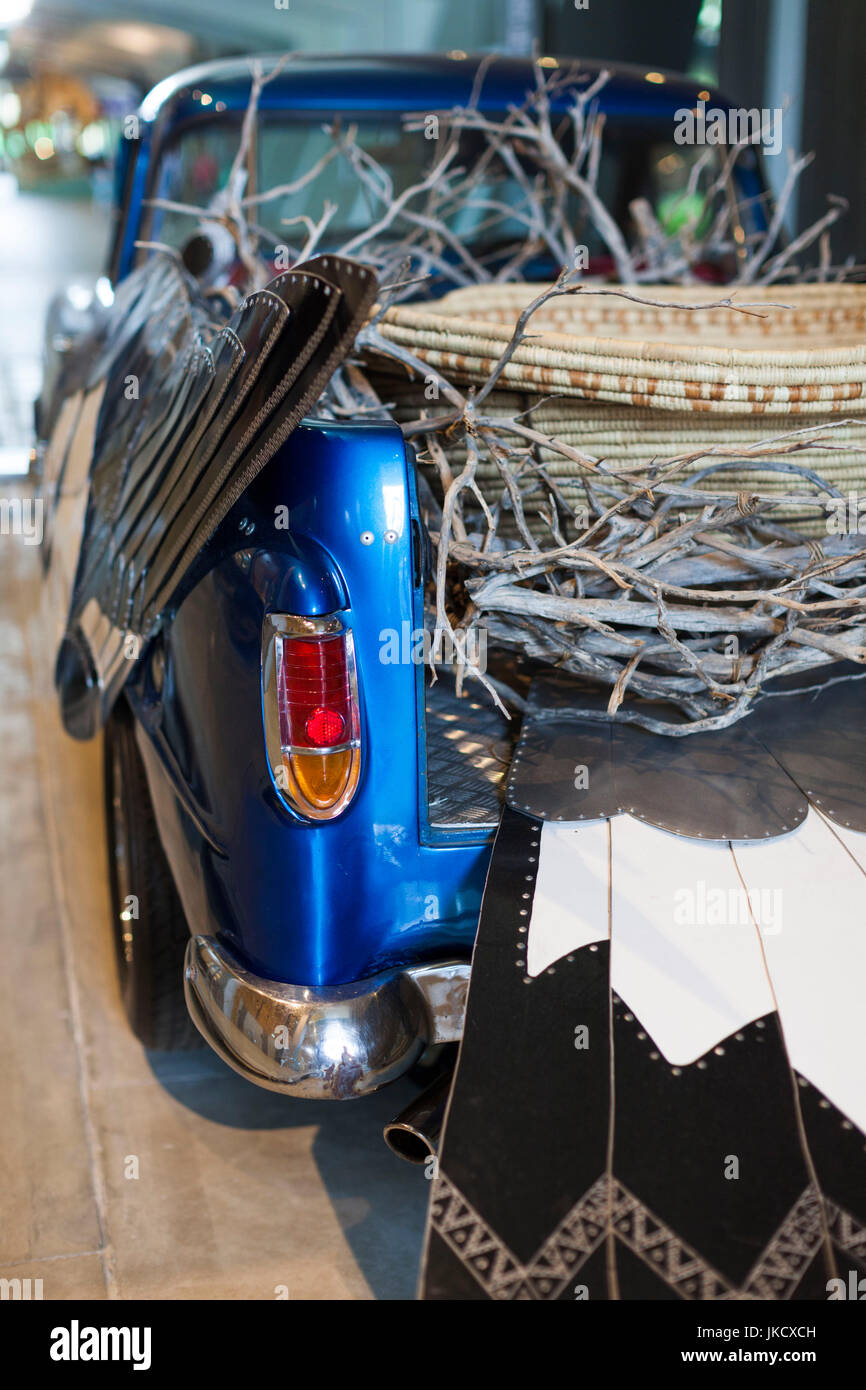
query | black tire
(149,948)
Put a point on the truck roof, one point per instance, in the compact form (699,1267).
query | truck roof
(402,82)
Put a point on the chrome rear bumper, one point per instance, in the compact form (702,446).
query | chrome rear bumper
(324,1043)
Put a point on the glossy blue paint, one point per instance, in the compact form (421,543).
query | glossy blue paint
(313,904)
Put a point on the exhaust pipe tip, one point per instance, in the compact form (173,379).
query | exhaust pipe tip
(409,1143)
(414,1134)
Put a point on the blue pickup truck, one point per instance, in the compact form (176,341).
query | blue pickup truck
(299,828)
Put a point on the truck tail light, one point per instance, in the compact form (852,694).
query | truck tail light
(312,718)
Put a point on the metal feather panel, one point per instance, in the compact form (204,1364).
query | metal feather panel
(638,1145)
(191,411)
(750,782)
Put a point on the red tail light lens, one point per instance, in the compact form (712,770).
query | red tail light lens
(309,674)
(315,691)
(325,727)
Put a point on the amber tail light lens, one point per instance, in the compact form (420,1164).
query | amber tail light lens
(311,704)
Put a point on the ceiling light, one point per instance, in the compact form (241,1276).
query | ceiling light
(10,109)
(13,11)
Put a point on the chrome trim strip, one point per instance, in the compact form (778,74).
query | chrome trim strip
(297,751)
(300,626)
(322,1043)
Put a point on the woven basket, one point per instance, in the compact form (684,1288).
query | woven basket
(693,392)
(830,315)
(665,359)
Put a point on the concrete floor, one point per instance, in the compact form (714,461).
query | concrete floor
(45,244)
(239,1193)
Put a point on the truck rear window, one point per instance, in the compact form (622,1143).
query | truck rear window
(635,162)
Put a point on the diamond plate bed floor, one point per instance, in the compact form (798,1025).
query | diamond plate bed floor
(469,748)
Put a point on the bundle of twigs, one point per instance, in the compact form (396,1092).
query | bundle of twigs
(646,574)
(652,584)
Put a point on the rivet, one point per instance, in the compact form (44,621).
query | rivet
(367,537)
(390,537)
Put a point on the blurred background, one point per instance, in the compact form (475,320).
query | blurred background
(70,70)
